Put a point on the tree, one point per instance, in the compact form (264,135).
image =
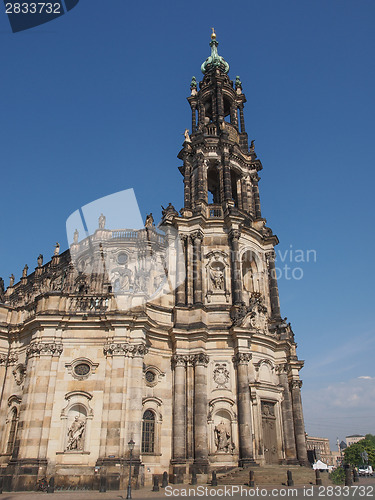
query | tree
(353,452)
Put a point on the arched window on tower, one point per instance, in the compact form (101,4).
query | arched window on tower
(250,274)
(236,191)
(148,432)
(12,430)
(227,107)
(213,185)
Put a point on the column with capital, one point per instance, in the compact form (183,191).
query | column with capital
(234,237)
(179,410)
(197,238)
(35,412)
(134,399)
(299,425)
(287,416)
(200,413)
(241,361)
(272,280)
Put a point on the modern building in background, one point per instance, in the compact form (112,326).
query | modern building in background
(201,377)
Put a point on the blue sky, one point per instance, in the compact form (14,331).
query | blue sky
(95,102)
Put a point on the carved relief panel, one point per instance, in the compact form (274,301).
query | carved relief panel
(221,376)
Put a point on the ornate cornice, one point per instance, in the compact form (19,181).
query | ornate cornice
(125,349)
(241,358)
(44,348)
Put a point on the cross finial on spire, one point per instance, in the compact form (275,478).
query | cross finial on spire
(213,35)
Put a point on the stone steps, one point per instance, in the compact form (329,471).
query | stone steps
(272,475)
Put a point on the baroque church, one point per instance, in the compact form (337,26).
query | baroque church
(169,336)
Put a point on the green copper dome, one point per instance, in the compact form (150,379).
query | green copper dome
(214,60)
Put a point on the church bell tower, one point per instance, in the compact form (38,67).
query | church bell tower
(234,357)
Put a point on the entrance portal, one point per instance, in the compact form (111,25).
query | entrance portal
(271,454)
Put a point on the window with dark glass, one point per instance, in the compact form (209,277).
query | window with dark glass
(148,432)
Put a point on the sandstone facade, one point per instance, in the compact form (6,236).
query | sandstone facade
(98,346)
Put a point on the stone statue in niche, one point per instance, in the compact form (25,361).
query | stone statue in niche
(217,278)
(75,435)
(223,440)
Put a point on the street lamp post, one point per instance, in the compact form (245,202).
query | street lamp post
(131,448)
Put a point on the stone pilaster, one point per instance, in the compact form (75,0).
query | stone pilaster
(189,272)
(234,237)
(299,425)
(133,420)
(197,238)
(241,361)
(200,413)
(30,449)
(179,410)
(272,281)
(181,272)
(190,407)
(287,416)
